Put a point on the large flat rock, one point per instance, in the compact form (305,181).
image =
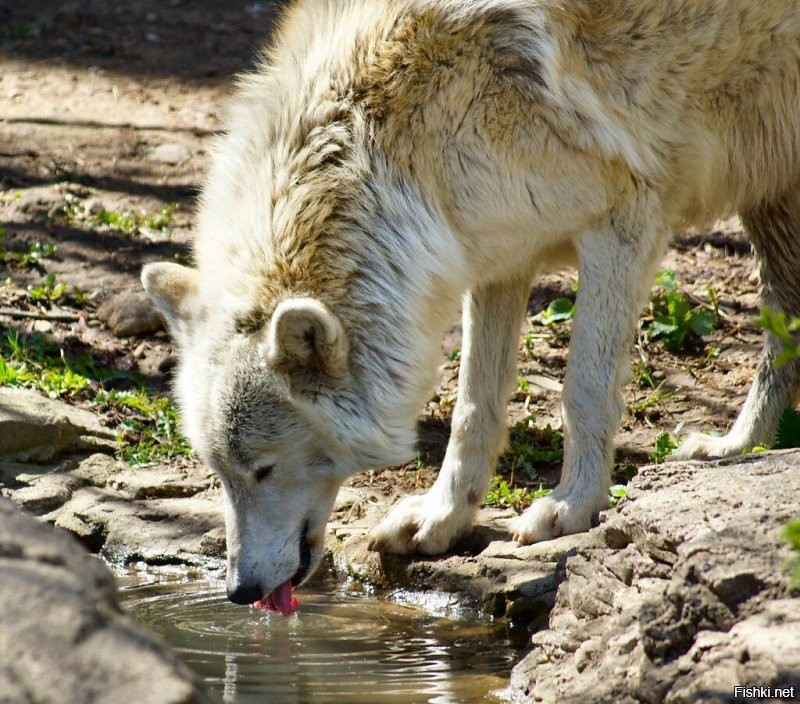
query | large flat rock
(685,594)
(63,635)
(160,514)
(33,426)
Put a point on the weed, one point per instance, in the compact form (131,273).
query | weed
(529,345)
(50,291)
(39,365)
(776,323)
(455,354)
(25,258)
(121,220)
(665,444)
(616,493)
(131,223)
(501,495)
(153,421)
(788,434)
(558,311)
(530,446)
(656,397)
(792,536)
(674,320)
(127,222)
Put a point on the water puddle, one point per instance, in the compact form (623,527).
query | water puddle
(344,646)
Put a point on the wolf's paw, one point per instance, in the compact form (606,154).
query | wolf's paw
(700,445)
(420,524)
(555,515)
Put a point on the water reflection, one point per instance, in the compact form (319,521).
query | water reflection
(341,647)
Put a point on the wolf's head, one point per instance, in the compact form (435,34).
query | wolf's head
(276,413)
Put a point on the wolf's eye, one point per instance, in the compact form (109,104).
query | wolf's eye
(263,472)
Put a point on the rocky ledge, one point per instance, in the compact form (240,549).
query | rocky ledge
(62,633)
(685,595)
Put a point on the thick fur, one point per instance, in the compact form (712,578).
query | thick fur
(392,160)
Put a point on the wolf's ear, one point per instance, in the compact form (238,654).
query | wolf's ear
(307,342)
(173,289)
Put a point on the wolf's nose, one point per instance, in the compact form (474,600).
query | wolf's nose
(245,594)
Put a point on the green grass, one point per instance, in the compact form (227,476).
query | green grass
(151,423)
(152,420)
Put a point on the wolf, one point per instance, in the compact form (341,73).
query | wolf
(389,163)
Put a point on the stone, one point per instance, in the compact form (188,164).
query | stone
(63,635)
(33,426)
(169,154)
(683,596)
(130,312)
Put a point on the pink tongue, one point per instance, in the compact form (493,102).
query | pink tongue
(280,600)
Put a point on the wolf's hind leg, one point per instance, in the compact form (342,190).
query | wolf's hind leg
(432,522)
(775,232)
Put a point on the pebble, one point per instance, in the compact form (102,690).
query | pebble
(169,154)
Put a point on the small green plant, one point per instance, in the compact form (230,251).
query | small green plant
(122,220)
(616,493)
(131,223)
(529,343)
(665,444)
(776,323)
(675,321)
(39,365)
(530,446)
(788,434)
(655,397)
(501,495)
(558,311)
(792,536)
(50,291)
(31,256)
(154,423)
(455,354)
(127,222)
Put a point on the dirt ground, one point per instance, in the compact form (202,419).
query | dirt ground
(110,107)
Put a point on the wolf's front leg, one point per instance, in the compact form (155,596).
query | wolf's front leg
(432,522)
(615,273)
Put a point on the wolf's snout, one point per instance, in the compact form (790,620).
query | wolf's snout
(246,594)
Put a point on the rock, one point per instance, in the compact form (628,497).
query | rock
(129,313)
(33,426)
(510,581)
(169,154)
(63,635)
(162,514)
(684,595)
(93,206)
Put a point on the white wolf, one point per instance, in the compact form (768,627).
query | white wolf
(391,161)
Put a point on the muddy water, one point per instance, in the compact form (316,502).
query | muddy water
(344,646)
